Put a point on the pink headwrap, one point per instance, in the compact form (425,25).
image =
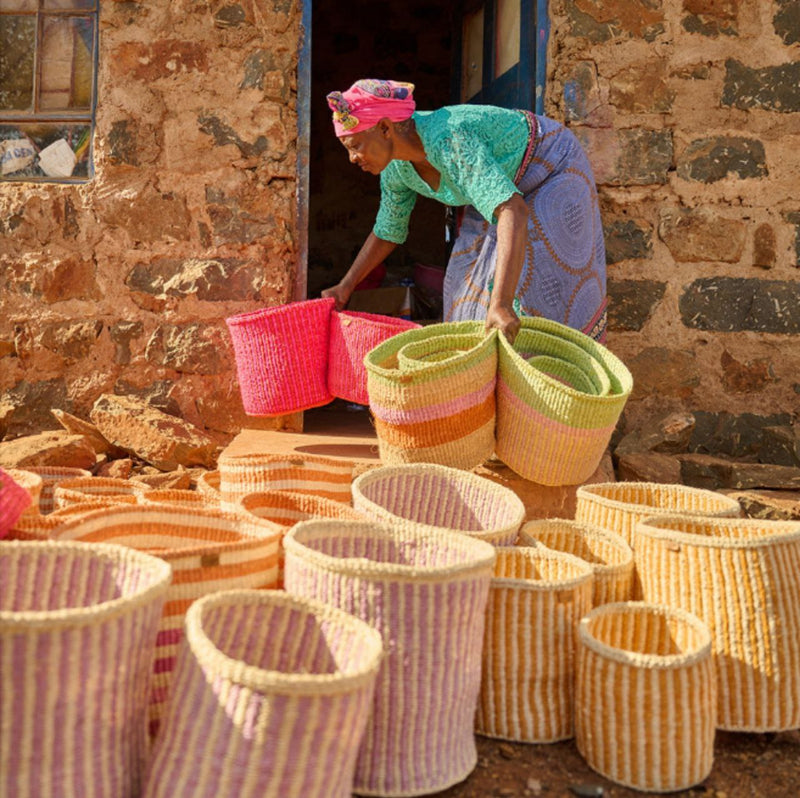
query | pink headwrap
(368,101)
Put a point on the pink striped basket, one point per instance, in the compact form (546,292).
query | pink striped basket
(426,594)
(352,335)
(282,357)
(77,629)
(272,696)
(14,500)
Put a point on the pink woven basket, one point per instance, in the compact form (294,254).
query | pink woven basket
(352,335)
(282,357)
(14,499)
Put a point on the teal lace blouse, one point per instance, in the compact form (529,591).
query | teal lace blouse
(477,150)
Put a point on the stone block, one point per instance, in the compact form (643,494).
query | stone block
(787,20)
(584,101)
(147,215)
(751,376)
(602,20)
(52,448)
(223,134)
(711,17)
(627,239)
(715,473)
(636,156)
(669,434)
(732,435)
(77,426)
(649,467)
(642,89)
(230,16)
(775,88)
(764,247)
(32,402)
(658,371)
(632,302)
(708,160)
(769,505)
(67,278)
(152,61)
(157,393)
(196,348)
(72,340)
(694,235)
(122,333)
(780,446)
(793,217)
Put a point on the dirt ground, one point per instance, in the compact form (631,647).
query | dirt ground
(745,766)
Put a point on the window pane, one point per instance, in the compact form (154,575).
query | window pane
(507,44)
(17,42)
(67,59)
(18,5)
(53,151)
(68,4)
(472,57)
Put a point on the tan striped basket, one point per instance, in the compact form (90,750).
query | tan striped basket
(437,498)
(426,594)
(32,483)
(77,629)
(178,497)
(52,476)
(609,556)
(536,599)
(34,527)
(107,489)
(208,484)
(645,697)
(208,550)
(742,577)
(275,692)
(327,477)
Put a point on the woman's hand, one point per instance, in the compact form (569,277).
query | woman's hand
(340,293)
(503,319)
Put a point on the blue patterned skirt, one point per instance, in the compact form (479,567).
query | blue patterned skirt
(564,274)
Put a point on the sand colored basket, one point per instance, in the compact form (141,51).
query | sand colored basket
(645,696)
(559,397)
(742,577)
(327,477)
(34,527)
(52,476)
(536,599)
(282,357)
(77,629)
(432,395)
(609,556)
(107,489)
(352,336)
(273,693)
(179,498)
(14,500)
(426,594)
(437,498)
(208,550)
(32,483)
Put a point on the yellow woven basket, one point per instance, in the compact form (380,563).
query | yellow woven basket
(742,577)
(645,697)
(609,556)
(536,598)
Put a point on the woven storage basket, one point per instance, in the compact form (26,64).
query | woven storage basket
(52,476)
(352,336)
(536,599)
(645,696)
(556,412)
(77,629)
(208,550)
(437,498)
(609,556)
(179,498)
(438,404)
(426,594)
(32,483)
(14,501)
(107,489)
(742,577)
(34,527)
(208,485)
(241,475)
(282,357)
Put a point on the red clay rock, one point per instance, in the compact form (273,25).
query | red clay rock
(52,448)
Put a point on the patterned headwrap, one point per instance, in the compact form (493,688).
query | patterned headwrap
(368,101)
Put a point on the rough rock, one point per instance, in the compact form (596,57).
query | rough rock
(118,469)
(769,505)
(157,438)
(780,446)
(178,480)
(77,426)
(52,448)
(714,473)
(667,434)
(649,467)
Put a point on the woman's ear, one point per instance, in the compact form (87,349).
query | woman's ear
(385,127)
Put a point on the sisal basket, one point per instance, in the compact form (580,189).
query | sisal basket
(105,489)
(326,477)
(645,696)
(52,476)
(208,486)
(352,336)
(32,483)
(559,397)
(536,599)
(77,629)
(742,577)
(178,497)
(426,594)
(272,695)
(282,357)
(208,551)
(436,403)
(609,556)
(14,500)
(440,499)
(34,527)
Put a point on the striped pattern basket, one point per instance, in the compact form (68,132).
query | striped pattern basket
(536,599)
(272,696)
(208,485)
(14,501)
(179,498)
(645,697)
(52,476)
(352,336)
(77,628)
(282,357)
(742,577)
(327,477)
(426,594)
(609,556)
(431,393)
(208,551)
(436,498)
(32,483)
(559,397)
(107,489)
(34,527)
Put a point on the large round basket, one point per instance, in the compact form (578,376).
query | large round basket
(109,489)
(52,476)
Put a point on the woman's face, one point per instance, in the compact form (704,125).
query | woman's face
(370,149)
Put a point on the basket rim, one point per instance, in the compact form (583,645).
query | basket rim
(526,584)
(275,310)
(593,493)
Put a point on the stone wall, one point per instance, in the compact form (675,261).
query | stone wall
(690,110)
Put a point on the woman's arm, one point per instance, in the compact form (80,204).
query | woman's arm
(373,253)
(512,228)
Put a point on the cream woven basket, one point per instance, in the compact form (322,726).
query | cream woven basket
(536,599)
(51,476)
(609,556)
(77,630)
(426,594)
(742,577)
(272,696)
(83,489)
(645,697)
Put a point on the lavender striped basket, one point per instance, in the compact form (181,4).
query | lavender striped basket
(272,695)
(78,627)
(426,593)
